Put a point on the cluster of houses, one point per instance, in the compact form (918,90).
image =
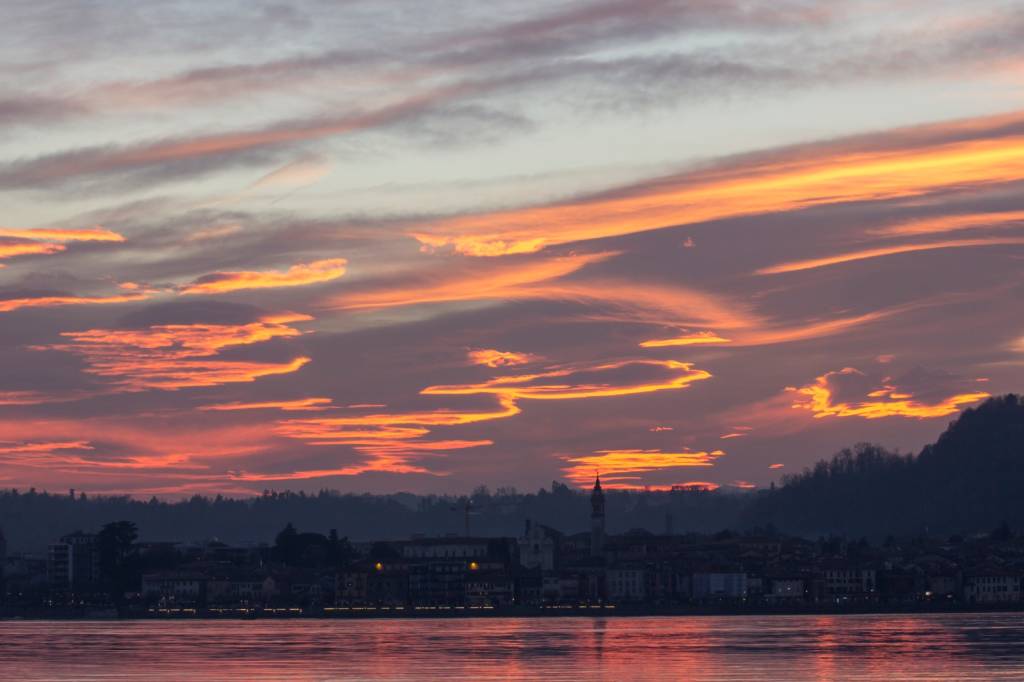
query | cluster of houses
(544,567)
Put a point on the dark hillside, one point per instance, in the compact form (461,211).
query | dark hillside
(969,481)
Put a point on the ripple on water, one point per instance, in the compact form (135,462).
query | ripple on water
(937,648)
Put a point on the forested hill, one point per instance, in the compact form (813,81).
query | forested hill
(970,480)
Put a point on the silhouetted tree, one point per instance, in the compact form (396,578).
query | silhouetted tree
(119,566)
(286,545)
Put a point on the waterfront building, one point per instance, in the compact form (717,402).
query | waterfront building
(539,547)
(713,586)
(627,584)
(73,563)
(784,589)
(992,586)
(844,582)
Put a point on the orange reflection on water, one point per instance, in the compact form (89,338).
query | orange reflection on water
(854,648)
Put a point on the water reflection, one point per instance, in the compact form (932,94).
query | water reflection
(855,648)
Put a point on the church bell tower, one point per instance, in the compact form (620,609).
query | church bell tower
(597,518)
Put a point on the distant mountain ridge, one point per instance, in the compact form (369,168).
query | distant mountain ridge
(970,480)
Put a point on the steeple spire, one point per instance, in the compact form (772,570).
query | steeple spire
(597,517)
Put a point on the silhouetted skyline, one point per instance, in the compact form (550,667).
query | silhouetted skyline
(965,483)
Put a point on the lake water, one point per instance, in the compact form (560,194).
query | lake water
(885,648)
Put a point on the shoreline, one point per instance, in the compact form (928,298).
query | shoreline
(444,612)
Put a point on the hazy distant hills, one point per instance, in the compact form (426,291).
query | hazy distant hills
(32,519)
(970,480)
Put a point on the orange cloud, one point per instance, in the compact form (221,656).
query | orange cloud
(696,338)
(170,357)
(620,300)
(550,385)
(383,456)
(394,465)
(696,485)
(810,264)
(385,428)
(750,330)
(97,234)
(302,405)
(618,467)
(743,485)
(503,281)
(47,241)
(11,250)
(9,448)
(389,440)
(776,466)
(316,272)
(903,163)
(951,223)
(887,401)
(392,438)
(50,455)
(499,358)
(10,304)
(624,301)
(129,452)
(657,305)
(768,335)
(22,398)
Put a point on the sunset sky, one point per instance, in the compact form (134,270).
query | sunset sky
(383,245)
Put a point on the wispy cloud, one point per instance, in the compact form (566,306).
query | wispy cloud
(689,339)
(316,272)
(394,439)
(490,357)
(502,281)
(96,234)
(10,304)
(883,251)
(951,223)
(890,166)
(14,249)
(177,356)
(300,405)
(887,400)
(624,468)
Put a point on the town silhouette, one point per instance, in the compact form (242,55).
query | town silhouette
(867,530)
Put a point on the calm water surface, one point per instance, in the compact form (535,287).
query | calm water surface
(792,648)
